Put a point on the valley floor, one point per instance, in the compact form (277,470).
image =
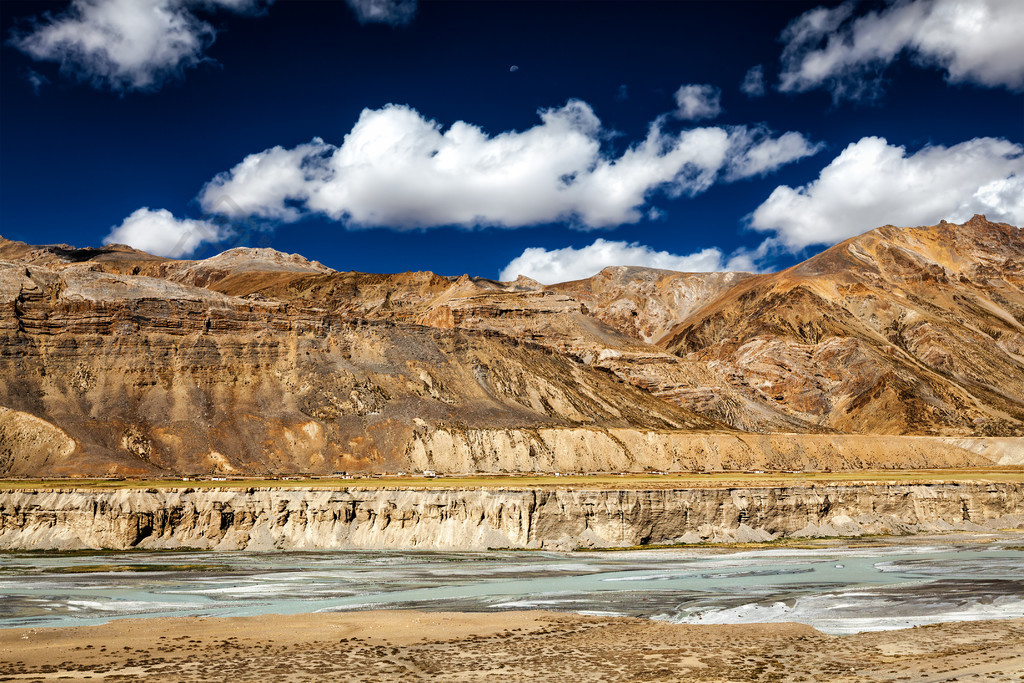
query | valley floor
(541,646)
(600,481)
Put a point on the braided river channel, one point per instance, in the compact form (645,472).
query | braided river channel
(839,590)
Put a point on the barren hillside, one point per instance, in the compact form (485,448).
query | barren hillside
(898,331)
(113,360)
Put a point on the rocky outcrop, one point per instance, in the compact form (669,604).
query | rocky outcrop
(477,519)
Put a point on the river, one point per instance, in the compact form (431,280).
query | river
(838,590)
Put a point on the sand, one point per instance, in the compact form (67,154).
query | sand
(510,646)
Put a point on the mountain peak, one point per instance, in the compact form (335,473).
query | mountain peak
(263,258)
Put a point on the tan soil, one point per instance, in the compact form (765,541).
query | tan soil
(512,646)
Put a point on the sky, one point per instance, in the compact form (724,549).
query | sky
(546,138)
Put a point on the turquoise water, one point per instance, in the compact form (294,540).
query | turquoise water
(842,590)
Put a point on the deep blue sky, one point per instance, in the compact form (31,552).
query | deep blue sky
(76,160)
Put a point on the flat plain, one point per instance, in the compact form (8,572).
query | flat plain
(631,481)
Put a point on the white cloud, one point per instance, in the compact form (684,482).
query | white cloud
(753,260)
(139,44)
(125,44)
(769,154)
(397,169)
(160,233)
(873,183)
(563,265)
(36,81)
(698,102)
(753,82)
(394,12)
(977,41)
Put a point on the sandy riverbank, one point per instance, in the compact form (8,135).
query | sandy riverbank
(406,645)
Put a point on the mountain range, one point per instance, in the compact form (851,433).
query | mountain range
(900,347)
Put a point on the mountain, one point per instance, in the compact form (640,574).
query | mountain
(898,331)
(647,303)
(254,361)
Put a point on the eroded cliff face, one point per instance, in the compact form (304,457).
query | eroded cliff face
(263,519)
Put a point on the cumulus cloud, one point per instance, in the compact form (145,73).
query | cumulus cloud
(397,169)
(125,44)
(764,154)
(873,183)
(696,102)
(753,82)
(976,42)
(159,232)
(393,12)
(562,265)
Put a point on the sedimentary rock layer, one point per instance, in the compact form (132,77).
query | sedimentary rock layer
(477,519)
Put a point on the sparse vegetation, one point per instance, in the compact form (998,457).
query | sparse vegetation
(546,481)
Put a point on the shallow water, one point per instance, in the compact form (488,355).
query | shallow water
(841,590)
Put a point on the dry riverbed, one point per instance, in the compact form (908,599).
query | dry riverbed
(543,646)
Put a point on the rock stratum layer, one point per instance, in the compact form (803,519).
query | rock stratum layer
(114,361)
(478,519)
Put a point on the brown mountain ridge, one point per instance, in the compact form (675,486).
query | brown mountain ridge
(253,361)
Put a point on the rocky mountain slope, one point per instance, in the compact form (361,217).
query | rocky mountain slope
(646,303)
(254,361)
(897,331)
